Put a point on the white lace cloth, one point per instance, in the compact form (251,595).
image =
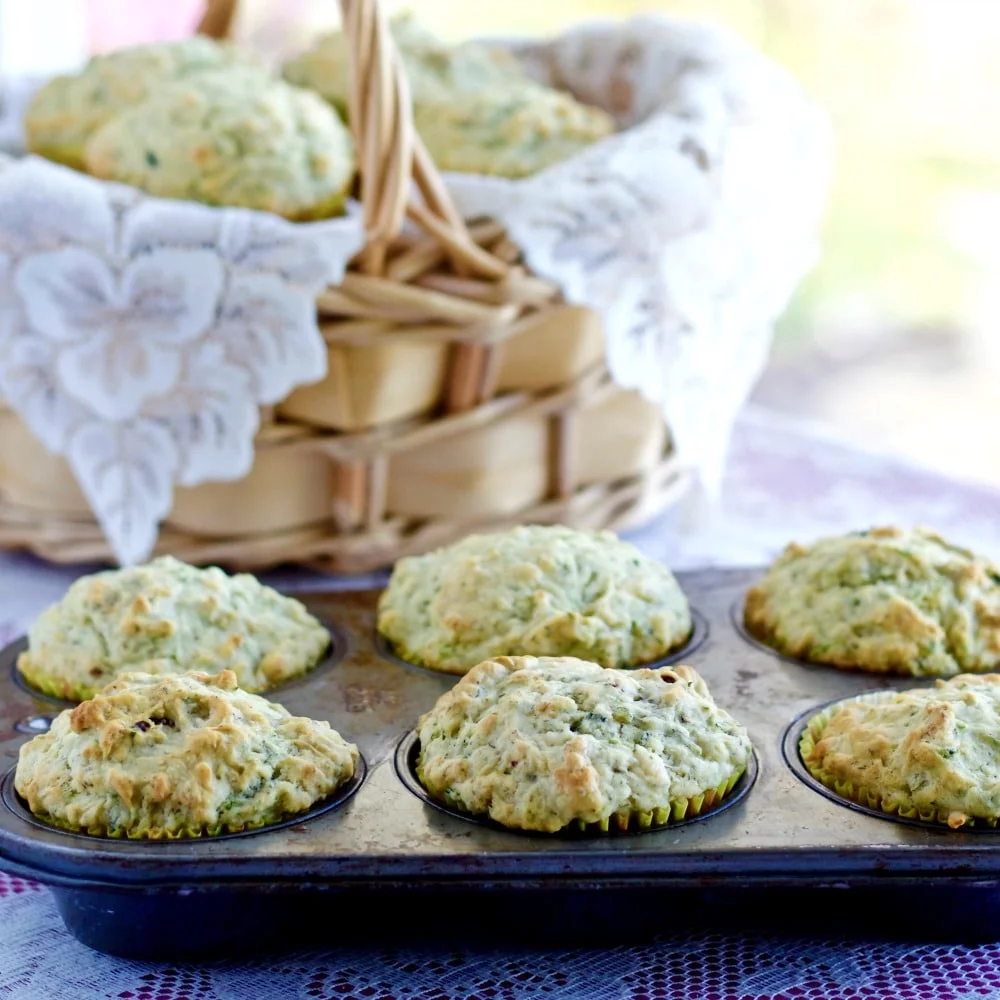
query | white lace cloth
(139,337)
(781,483)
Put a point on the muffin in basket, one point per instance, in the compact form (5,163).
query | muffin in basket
(884,600)
(533,590)
(433,69)
(551,743)
(231,137)
(166,617)
(179,756)
(929,753)
(473,105)
(514,132)
(68,109)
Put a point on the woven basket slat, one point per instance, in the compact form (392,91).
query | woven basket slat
(217,20)
(560,467)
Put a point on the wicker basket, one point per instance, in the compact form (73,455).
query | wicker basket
(463,393)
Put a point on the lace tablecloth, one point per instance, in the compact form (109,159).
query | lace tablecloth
(783,482)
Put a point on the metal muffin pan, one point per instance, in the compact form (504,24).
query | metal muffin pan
(389,852)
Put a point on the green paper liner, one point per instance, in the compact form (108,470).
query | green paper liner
(55,688)
(624,821)
(158,833)
(894,805)
(44,683)
(191,832)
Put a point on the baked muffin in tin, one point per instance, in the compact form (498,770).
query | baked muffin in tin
(231,137)
(166,617)
(929,753)
(68,109)
(541,590)
(550,743)
(174,756)
(885,601)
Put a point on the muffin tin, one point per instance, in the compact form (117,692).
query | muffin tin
(376,866)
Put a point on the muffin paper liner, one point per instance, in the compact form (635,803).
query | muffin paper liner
(160,833)
(623,821)
(628,821)
(335,797)
(895,805)
(53,687)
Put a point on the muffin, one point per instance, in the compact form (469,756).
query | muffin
(166,617)
(181,755)
(884,600)
(929,753)
(534,590)
(68,109)
(231,137)
(433,69)
(553,742)
(513,132)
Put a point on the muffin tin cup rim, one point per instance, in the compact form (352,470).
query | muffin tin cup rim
(341,796)
(404,760)
(336,652)
(697,638)
(793,760)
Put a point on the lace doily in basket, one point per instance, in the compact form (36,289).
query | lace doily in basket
(139,337)
(687,231)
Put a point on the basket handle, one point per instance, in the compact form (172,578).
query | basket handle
(391,154)
(217,19)
(392,159)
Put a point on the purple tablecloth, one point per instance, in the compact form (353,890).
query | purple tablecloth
(783,482)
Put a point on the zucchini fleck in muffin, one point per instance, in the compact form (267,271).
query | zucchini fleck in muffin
(511,132)
(552,742)
(433,69)
(930,753)
(179,756)
(235,138)
(166,617)
(534,590)
(68,109)
(884,600)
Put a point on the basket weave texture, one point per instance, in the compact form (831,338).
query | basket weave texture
(421,334)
